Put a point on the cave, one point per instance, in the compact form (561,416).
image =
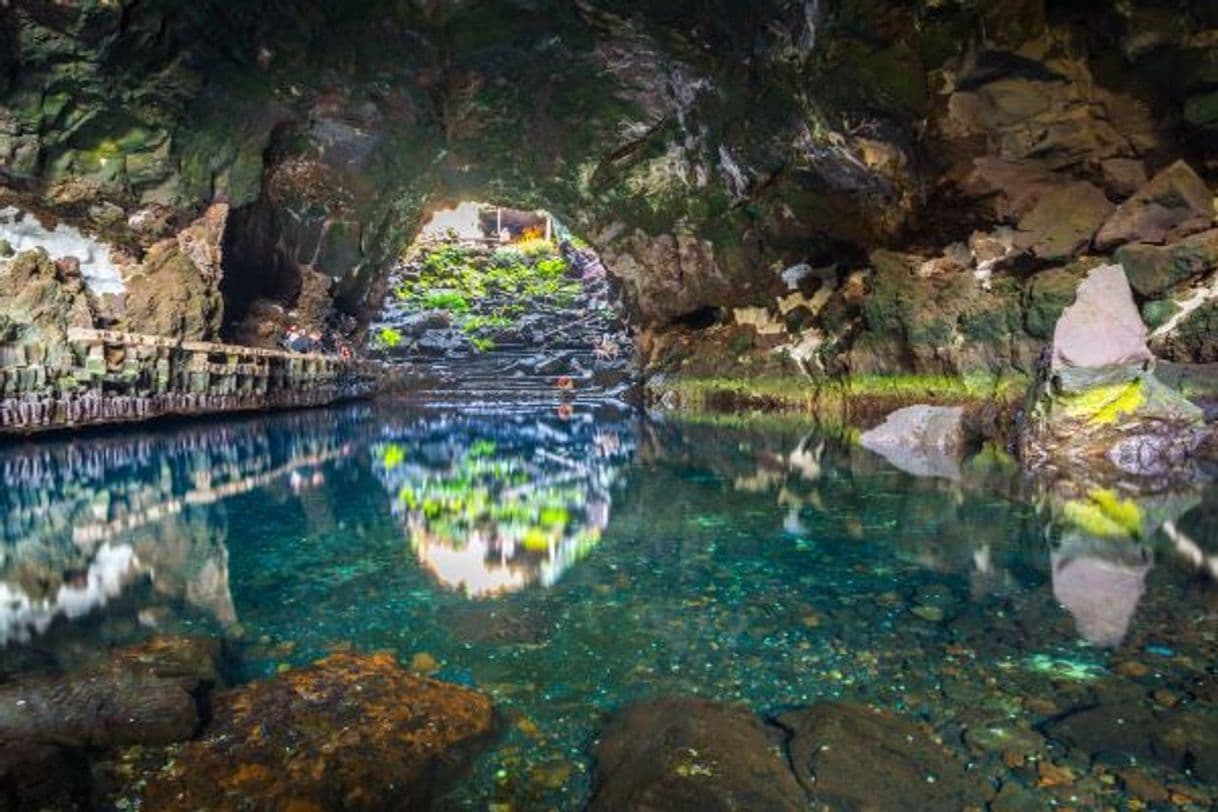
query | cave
(495,303)
(602,405)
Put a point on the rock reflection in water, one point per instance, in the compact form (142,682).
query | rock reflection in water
(85,523)
(492,506)
(1096,547)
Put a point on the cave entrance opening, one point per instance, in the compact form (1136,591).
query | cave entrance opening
(503,305)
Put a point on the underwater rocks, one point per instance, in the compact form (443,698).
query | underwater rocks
(355,732)
(152,693)
(691,754)
(922,440)
(854,757)
(148,693)
(684,753)
(1098,397)
(1183,739)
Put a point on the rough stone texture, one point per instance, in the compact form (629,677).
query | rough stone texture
(702,149)
(149,693)
(1123,176)
(1179,739)
(38,303)
(855,757)
(1100,338)
(685,753)
(922,440)
(1098,406)
(354,732)
(101,376)
(1174,201)
(1062,221)
(1154,270)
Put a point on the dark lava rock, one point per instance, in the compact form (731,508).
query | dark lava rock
(145,694)
(1173,201)
(1184,740)
(854,757)
(351,732)
(151,693)
(1188,740)
(1109,729)
(691,754)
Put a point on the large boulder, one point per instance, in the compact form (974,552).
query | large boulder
(1062,221)
(855,757)
(1101,337)
(1098,398)
(176,290)
(41,300)
(352,732)
(921,440)
(1154,270)
(152,693)
(148,693)
(1173,202)
(687,753)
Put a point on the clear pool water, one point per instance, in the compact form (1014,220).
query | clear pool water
(567,566)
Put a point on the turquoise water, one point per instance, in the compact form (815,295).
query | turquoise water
(569,566)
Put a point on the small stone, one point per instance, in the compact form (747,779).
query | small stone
(1132,668)
(1142,785)
(931,614)
(1166,698)
(424,663)
(1052,775)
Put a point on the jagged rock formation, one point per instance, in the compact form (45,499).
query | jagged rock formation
(1099,399)
(732,160)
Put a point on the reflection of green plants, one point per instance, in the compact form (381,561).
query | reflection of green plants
(482,490)
(393,456)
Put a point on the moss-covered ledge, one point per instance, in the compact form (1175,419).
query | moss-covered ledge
(851,400)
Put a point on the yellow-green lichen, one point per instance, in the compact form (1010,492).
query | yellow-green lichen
(1104,405)
(1105,514)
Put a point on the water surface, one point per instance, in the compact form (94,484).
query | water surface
(569,565)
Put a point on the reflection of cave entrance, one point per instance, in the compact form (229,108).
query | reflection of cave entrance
(502,304)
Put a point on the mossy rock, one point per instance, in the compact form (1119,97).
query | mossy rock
(1153,270)
(1156,313)
(1048,294)
(1202,110)
(1195,339)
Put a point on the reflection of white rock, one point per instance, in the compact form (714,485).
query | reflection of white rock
(25,233)
(22,617)
(1100,585)
(483,566)
(471,567)
(920,440)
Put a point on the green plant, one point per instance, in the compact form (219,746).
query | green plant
(449,300)
(388,338)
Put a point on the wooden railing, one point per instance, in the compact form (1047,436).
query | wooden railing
(106,376)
